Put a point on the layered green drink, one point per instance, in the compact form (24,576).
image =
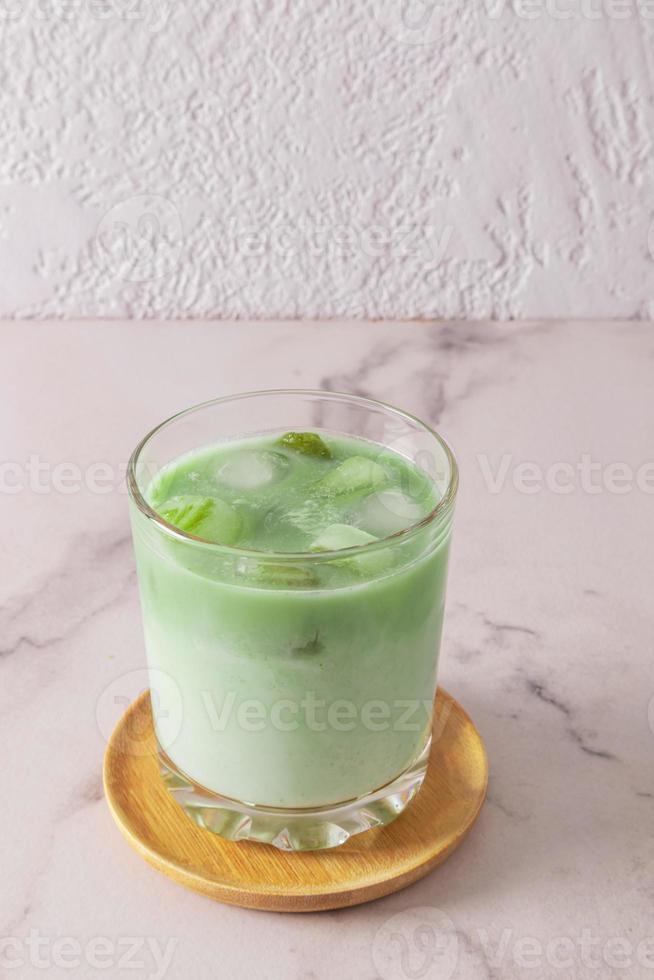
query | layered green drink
(292,584)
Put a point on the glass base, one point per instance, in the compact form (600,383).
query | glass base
(312,829)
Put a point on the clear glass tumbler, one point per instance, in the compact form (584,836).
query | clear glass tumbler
(290,705)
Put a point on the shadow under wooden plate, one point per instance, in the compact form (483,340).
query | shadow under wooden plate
(259,876)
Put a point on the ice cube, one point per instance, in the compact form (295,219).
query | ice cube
(355,475)
(340,536)
(205,517)
(386,512)
(252,469)
(309,516)
(272,575)
(296,527)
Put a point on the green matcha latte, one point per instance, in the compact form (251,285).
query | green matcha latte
(292,585)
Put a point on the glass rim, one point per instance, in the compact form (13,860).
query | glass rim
(443,505)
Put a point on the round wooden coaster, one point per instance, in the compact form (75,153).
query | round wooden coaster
(368,866)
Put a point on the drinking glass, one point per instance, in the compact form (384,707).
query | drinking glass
(292,700)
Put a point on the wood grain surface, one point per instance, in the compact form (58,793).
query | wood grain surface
(258,876)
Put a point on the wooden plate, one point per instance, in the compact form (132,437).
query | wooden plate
(259,876)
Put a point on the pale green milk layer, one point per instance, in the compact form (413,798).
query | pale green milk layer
(292,682)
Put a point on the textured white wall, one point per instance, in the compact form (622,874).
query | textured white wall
(321,158)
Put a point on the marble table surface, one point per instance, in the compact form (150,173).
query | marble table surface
(548,644)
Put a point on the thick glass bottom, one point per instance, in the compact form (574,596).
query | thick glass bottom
(310,829)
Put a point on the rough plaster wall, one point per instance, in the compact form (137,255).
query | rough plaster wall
(323,158)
